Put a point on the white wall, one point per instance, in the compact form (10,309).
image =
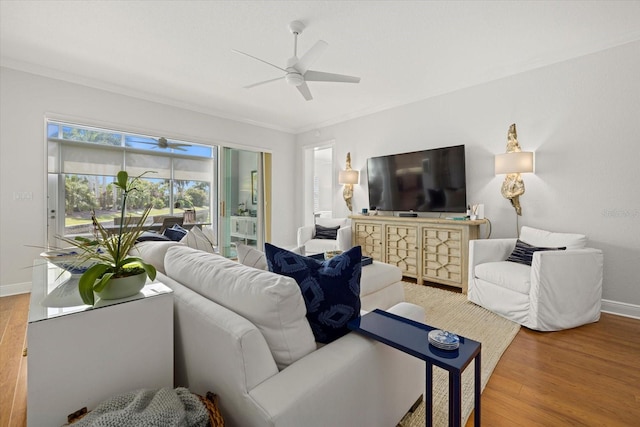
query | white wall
(582,119)
(26,99)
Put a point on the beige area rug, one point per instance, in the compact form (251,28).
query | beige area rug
(452,312)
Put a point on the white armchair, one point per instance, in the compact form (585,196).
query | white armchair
(307,234)
(561,289)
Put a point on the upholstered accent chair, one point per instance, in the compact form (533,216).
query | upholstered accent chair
(560,289)
(321,237)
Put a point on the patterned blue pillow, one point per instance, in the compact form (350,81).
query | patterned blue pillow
(331,288)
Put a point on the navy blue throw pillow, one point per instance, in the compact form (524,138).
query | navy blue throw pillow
(175,233)
(147,236)
(328,233)
(523,252)
(331,288)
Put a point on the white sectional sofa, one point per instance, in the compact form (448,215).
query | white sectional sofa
(242,334)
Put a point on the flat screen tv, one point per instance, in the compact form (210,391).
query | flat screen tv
(421,181)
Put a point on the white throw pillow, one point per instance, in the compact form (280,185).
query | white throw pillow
(208,233)
(197,239)
(548,239)
(332,222)
(251,257)
(270,301)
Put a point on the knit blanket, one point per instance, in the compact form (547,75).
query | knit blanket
(165,407)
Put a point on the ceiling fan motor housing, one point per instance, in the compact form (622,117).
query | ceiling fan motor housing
(296,27)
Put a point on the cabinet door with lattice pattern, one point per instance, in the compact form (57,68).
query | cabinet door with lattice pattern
(442,255)
(401,248)
(369,236)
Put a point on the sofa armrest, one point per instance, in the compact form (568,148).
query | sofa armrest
(343,238)
(305,234)
(353,381)
(566,288)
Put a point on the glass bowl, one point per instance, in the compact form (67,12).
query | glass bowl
(69,259)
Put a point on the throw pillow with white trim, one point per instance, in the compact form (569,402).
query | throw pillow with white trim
(523,252)
(328,233)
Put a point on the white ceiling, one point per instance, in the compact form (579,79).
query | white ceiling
(179,52)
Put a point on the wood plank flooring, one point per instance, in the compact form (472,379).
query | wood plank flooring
(588,376)
(14,311)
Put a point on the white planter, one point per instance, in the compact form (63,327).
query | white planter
(123,287)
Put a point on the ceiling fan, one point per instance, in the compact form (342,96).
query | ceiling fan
(164,144)
(297,72)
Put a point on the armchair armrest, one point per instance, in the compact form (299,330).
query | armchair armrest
(305,234)
(343,239)
(566,287)
(488,250)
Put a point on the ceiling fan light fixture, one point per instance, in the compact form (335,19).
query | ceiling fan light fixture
(295,79)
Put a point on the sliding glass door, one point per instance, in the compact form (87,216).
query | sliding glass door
(242,200)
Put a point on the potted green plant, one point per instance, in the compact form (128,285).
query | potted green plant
(116,274)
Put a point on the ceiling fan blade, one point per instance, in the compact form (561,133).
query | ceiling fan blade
(261,83)
(258,59)
(304,90)
(319,76)
(311,56)
(175,147)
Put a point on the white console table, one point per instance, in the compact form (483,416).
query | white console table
(80,355)
(244,227)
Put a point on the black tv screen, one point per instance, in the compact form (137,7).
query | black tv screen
(421,181)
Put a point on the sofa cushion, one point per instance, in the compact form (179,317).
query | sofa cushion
(523,252)
(377,276)
(153,252)
(270,301)
(331,288)
(509,275)
(543,238)
(251,257)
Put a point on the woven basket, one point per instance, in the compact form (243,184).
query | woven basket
(211,402)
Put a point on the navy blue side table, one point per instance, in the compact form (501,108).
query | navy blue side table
(411,337)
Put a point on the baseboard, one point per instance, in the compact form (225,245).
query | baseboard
(620,308)
(15,289)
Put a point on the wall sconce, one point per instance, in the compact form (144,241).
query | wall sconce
(348,178)
(513,163)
